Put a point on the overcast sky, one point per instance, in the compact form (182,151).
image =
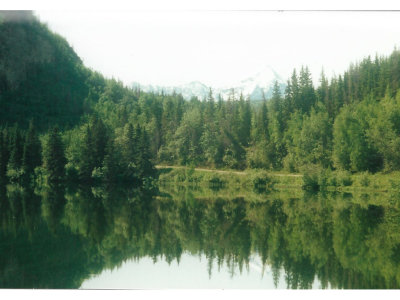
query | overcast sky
(219,47)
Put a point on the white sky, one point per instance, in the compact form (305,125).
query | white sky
(220,47)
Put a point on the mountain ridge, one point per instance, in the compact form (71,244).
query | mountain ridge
(254,87)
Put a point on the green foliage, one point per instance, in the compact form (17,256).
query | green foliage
(365,179)
(342,239)
(311,180)
(41,77)
(350,122)
(353,149)
(4,153)
(343,178)
(54,160)
(216,181)
(32,154)
(16,148)
(187,137)
(261,181)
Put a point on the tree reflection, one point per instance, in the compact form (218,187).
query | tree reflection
(344,241)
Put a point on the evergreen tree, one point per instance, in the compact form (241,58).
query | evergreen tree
(99,140)
(32,155)
(4,153)
(210,108)
(111,164)
(87,155)
(210,142)
(16,148)
(244,129)
(144,160)
(276,128)
(54,157)
(262,120)
(129,152)
(307,95)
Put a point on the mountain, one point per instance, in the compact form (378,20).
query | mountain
(41,77)
(189,90)
(252,86)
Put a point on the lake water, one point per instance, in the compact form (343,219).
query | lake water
(126,238)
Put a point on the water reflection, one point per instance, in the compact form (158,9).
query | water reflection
(57,237)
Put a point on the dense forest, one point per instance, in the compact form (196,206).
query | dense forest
(61,120)
(50,127)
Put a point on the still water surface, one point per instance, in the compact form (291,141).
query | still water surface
(74,237)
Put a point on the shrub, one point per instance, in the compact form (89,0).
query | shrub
(332,180)
(313,177)
(344,178)
(395,184)
(260,181)
(364,179)
(215,181)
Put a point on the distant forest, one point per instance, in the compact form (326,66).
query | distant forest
(62,120)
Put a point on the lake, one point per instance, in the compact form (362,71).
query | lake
(179,237)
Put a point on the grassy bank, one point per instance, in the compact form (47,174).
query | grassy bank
(311,179)
(345,181)
(258,180)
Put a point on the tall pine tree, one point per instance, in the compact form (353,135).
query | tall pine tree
(32,156)
(54,157)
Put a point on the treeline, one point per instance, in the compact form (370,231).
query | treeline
(350,122)
(43,81)
(92,153)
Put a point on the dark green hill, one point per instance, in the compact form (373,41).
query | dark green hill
(41,77)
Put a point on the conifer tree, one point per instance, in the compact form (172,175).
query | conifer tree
(99,140)
(32,155)
(4,153)
(87,155)
(210,108)
(244,122)
(111,163)
(146,166)
(54,157)
(129,151)
(260,127)
(307,94)
(16,148)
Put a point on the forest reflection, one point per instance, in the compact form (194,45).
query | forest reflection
(56,237)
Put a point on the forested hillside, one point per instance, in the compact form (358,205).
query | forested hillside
(41,77)
(48,103)
(61,119)
(349,122)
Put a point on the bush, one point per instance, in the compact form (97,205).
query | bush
(332,180)
(325,178)
(395,184)
(71,172)
(313,177)
(97,174)
(215,181)
(15,175)
(344,178)
(364,179)
(311,182)
(261,181)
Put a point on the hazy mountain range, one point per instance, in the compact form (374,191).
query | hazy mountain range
(252,87)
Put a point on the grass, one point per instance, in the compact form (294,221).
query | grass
(345,181)
(257,180)
(313,179)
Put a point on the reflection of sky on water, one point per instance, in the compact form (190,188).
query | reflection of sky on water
(191,272)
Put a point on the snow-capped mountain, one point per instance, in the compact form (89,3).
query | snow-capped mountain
(253,87)
(189,90)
